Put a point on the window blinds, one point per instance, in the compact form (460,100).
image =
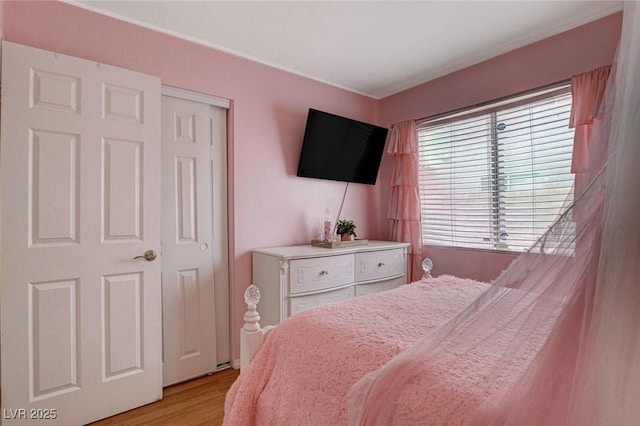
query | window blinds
(496,178)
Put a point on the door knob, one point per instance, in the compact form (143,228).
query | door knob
(149,256)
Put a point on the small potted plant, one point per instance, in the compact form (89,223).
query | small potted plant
(346,229)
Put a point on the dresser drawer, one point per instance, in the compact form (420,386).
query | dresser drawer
(375,265)
(320,273)
(375,287)
(300,303)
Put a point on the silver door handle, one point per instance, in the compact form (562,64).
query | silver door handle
(149,256)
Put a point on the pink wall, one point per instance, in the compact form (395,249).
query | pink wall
(270,206)
(548,61)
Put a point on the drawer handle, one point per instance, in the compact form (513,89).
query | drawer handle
(324,272)
(380,264)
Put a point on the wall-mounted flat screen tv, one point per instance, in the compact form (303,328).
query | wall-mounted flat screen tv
(339,148)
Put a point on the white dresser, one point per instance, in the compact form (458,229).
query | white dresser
(294,278)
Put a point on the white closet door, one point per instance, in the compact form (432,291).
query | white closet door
(188,244)
(80,194)
(221,232)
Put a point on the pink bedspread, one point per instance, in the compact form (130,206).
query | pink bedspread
(463,379)
(306,366)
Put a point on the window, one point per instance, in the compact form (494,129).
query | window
(498,177)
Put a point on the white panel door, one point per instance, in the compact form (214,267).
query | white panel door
(80,194)
(188,244)
(220,232)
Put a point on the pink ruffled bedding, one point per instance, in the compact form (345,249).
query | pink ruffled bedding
(308,364)
(464,379)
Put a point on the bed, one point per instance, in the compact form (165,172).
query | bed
(307,367)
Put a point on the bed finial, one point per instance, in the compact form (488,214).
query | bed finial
(251,317)
(427,266)
(251,334)
(252,296)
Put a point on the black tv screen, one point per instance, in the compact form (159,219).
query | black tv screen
(339,148)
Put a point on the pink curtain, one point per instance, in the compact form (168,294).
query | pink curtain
(587,110)
(590,142)
(404,204)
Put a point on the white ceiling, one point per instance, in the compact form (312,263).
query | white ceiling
(375,48)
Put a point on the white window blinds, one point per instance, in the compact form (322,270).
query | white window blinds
(496,178)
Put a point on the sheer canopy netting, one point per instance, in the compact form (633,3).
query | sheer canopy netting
(558,334)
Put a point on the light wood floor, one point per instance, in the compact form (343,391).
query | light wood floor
(196,402)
